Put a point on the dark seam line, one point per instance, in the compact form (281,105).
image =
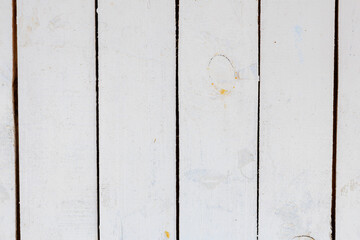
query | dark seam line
(16,117)
(177,121)
(97,118)
(258,124)
(335,116)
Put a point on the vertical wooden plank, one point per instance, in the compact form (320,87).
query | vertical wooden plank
(297,41)
(348,165)
(7,157)
(218,81)
(57,123)
(137,119)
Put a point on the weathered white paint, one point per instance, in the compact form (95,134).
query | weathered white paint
(57,119)
(7,160)
(218,119)
(137,119)
(348,152)
(297,42)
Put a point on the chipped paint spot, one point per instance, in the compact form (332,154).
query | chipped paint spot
(237,75)
(351,186)
(56,23)
(223,91)
(167,234)
(212,181)
(208,179)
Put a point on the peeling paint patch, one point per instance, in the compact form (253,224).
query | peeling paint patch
(247,164)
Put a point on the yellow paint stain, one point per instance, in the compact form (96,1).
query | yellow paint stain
(222,91)
(167,234)
(233,86)
(235,77)
(212,83)
(155,140)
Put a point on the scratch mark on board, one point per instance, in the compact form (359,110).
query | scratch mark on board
(303,237)
(222,73)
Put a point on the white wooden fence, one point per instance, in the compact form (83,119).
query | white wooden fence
(190,119)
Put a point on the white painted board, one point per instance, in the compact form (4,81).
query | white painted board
(7,152)
(297,46)
(57,119)
(348,142)
(137,119)
(218,81)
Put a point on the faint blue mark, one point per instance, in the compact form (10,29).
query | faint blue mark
(254,69)
(196,175)
(298,42)
(298,31)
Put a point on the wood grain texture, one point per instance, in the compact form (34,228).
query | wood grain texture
(297,42)
(7,156)
(348,152)
(137,119)
(218,82)
(57,123)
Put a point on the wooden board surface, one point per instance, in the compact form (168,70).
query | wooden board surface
(218,119)
(348,152)
(297,46)
(7,156)
(137,119)
(57,119)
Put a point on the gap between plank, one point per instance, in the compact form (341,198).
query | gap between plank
(16,117)
(97,118)
(177,2)
(258,125)
(335,116)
